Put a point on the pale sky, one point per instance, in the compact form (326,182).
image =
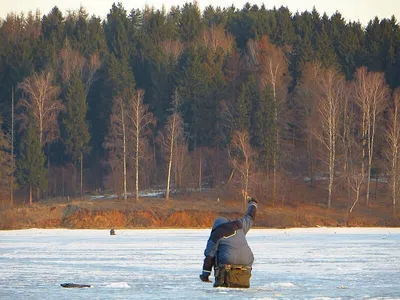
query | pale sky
(352,10)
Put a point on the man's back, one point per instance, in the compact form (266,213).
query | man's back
(235,250)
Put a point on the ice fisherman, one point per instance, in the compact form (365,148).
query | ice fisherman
(228,252)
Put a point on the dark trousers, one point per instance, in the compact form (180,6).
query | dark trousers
(233,276)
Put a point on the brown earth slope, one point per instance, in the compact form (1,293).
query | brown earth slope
(191,211)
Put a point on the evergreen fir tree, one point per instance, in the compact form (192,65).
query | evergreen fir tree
(285,31)
(76,129)
(264,128)
(6,164)
(190,23)
(31,164)
(51,40)
(349,49)
(198,91)
(324,50)
(244,102)
(116,32)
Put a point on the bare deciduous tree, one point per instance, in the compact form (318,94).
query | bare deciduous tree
(71,60)
(351,175)
(91,67)
(140,121)
(271,65)
(393,152)
(356,179)
(40,97)
(216,37)
(170,138)
(371,94)
(173,49)
(201,156)
(241,157)
(330,89)
(116,141)
(307,104)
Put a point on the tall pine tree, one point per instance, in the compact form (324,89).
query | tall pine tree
(76,128)
(31,164)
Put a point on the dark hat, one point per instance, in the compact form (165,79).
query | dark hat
(219,221)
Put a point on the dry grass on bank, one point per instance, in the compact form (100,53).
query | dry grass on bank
(193,210)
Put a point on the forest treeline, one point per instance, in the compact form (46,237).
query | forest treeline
(252,98)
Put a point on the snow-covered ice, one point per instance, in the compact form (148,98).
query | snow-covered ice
(317,263)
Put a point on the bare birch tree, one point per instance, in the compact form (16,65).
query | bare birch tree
(40,100)
(306,96)
(171,137)
(271,66)
(330,94)
(393,138)
(90,69)
(200,158)
(71,60)
(173,49)
(216,37)
(40,96)
(353,174)
(117,139)
(242,158)
(356,180)
(371,94)
(168,141)
(140,121)
(350,155)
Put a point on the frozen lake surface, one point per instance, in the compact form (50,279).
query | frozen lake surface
(318,263)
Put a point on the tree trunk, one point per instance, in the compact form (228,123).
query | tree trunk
(246,187)
(311,161)
(74,180)
(137,164)
(30,194)
(171,149)
(332,155)
(363,142)
(394,178)
(169,176)
(124,153)
(81,177)
(368,185)
(63,182)
(355,202)
(275,159)
(12,149)
(200,172)
(394,181)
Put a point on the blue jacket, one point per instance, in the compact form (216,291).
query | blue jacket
(227,243)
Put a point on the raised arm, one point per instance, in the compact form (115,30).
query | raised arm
(250,216)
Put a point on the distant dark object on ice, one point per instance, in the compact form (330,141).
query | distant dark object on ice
(112,231)
(75,285)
